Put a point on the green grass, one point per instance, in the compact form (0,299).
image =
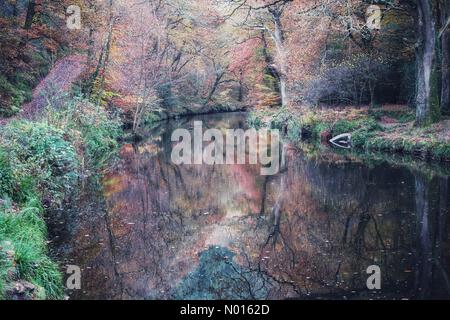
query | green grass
(42,160)
(23,248)
(25,234)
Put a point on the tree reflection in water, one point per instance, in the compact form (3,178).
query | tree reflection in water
(208,232)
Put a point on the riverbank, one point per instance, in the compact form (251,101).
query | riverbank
(387,129)
(42,164)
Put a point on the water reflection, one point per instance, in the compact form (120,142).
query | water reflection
(160,231)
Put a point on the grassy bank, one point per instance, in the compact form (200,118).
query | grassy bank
(41,164)
(387,129)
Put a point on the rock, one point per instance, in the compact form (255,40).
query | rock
(10,254)
(7,248)
(46,202)
(22,290)
(19,288)
(6,244)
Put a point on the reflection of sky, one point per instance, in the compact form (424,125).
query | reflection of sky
(223,233)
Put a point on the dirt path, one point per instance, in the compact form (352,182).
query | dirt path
(59,80)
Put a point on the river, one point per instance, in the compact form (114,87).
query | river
(154,230)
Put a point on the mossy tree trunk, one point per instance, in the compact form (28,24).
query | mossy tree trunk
(427,90)
(31,12)
(97,79)
(278,37)
(444,16)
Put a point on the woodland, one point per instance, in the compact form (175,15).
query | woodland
(78,78)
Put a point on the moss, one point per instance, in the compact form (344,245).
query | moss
(435,97)
(345,126)
(434,113)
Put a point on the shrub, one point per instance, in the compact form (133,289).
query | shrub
(280,119)
(100,134)
(363,131)
(294,131)
(90,128)
(319,128)
(402,116)
(254,120)
(39,153)
(309,120)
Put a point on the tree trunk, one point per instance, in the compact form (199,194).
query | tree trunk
(427,93)
(91,40)
(219,76)
(31,12)
(441,235)
(278,37)
(445,58)
(271,70)
(241,86)
(104,56)
(424,267)
(372,89)
(106,61)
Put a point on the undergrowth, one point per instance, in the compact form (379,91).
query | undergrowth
(41,164)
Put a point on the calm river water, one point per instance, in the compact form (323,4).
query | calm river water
(154,230)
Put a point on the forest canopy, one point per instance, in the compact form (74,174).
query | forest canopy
(177,56)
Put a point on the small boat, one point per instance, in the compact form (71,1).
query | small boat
(343,141)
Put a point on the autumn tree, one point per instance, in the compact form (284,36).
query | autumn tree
(30,41)
(444,38)
(266,16)
(427,92)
